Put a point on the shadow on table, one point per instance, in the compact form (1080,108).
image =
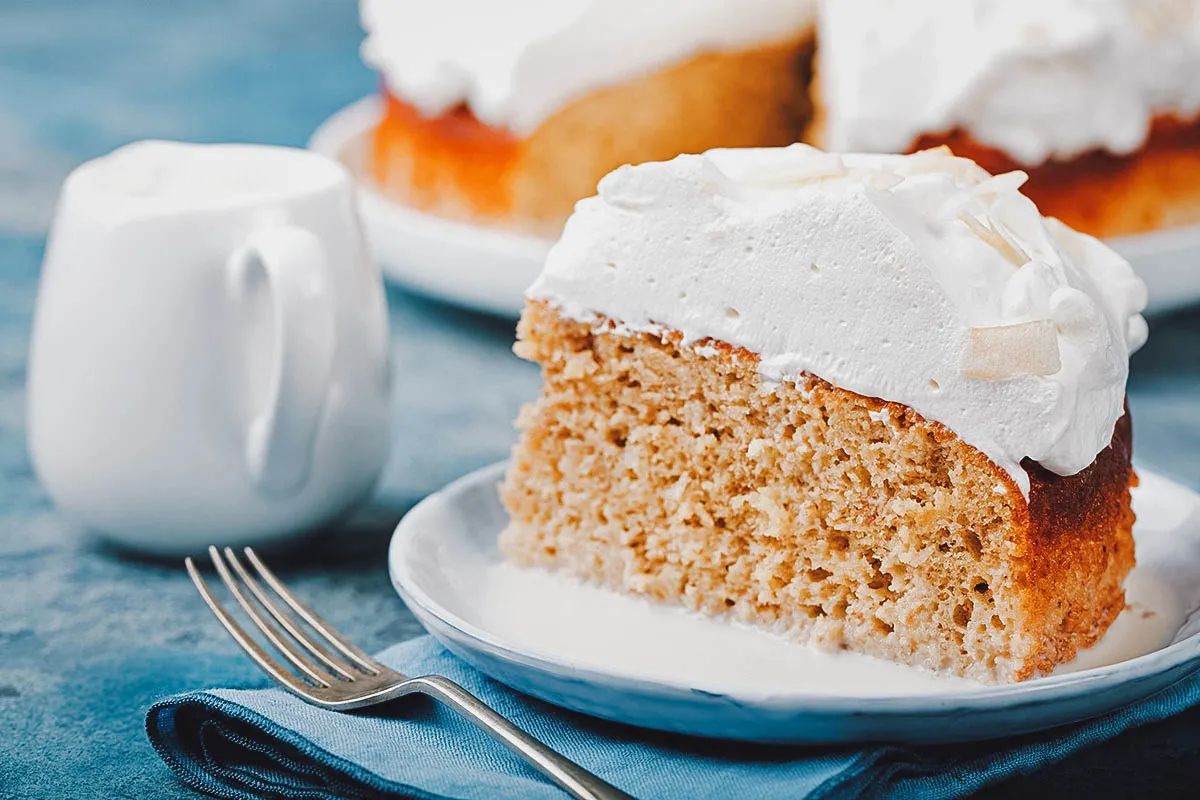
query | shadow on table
(442,314)
(356,543)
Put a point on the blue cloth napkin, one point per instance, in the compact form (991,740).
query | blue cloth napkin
(265,743)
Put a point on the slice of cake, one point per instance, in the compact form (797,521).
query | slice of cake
(508,113)
(873,402)
(1099,101)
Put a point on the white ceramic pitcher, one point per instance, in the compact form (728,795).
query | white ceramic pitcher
(210,347)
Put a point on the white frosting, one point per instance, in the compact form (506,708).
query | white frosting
(899,277)
(515,62)
(1051,78)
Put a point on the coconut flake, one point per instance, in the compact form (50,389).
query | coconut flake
(1010,351)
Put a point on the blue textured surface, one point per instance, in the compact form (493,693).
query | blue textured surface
(89,637)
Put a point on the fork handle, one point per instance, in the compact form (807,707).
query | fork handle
(569,776)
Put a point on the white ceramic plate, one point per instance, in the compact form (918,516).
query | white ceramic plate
(488,270)
(661,667)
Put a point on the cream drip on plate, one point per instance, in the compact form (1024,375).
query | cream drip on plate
(516,62)
(920,279)
(1038,79)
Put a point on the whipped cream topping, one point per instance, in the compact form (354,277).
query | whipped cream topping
(917,279)
(1052,78)
(516,62)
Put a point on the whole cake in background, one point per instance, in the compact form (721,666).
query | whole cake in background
(507,113)
(1098,101)
(874,402)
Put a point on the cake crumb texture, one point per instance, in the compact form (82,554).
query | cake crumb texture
(678,474)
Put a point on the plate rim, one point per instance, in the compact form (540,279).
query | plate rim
(1059,687)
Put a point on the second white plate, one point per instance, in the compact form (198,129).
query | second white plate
(488,270)
(658,666)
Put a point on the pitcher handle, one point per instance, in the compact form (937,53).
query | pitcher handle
(279,439)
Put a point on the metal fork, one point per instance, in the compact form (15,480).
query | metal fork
(336,675)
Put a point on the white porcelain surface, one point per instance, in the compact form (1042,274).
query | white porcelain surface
(489,270)
(209,362)
(661,667)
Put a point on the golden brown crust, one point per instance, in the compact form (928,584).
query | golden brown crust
(1098,193)
(1043,576)
(457,167)
(1079,526)
(1105,194)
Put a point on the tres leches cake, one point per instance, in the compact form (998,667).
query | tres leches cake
(1098,101)
(873,402)
(508,113)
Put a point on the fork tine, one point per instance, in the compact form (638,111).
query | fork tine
(344,645)
(251,648)
(286,621)
(300,661)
